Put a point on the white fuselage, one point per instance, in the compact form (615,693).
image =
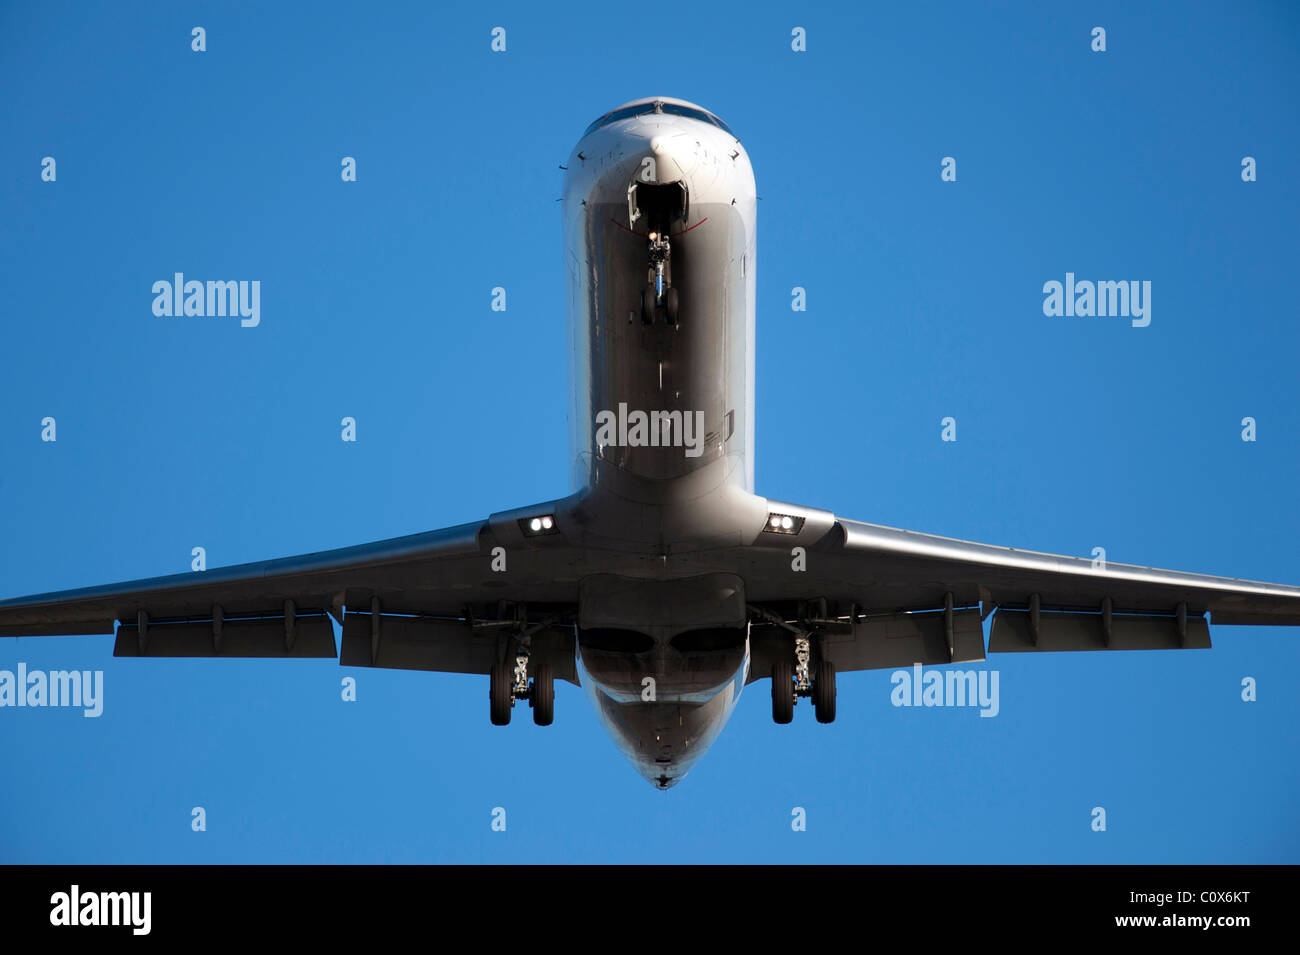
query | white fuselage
(662,425)
(703,365)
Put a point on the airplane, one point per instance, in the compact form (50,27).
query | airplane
(663,584)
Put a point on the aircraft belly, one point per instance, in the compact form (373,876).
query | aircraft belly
(679,371)
(656,401)
(662,423)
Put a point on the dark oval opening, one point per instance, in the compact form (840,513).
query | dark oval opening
(613,640)
(709,639)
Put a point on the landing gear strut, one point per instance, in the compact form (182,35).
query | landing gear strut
(792,681)
(802,676)
(507,684)
(802,655)
(660,294)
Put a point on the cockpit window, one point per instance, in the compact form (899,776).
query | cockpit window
(625,113)
(672,109)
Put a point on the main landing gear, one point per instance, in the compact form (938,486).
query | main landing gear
(801,677)
(659,297)
(505,687)
(507,684)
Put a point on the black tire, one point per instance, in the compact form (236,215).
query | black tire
(782,692)
(542,697)
(824,692)
(670,305)
(500,693)
(647,306)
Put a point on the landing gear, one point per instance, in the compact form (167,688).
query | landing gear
(800,676)
(500,692)
(823,692)
(659,296)
(650,309)
(782,692)
(542,696)
(802,671)
(507,684)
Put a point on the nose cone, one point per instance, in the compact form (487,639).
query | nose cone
(673,155)
(665,782)
(658,141)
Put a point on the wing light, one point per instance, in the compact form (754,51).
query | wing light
(783,524)
(538,526)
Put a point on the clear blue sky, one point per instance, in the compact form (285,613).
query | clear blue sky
(924,301)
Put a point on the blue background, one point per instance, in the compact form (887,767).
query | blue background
(924,301)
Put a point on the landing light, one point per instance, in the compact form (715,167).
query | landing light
(783,524)
(538,526)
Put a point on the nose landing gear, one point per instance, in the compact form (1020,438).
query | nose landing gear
(659,297)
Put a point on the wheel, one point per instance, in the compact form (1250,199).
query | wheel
(824,692)
(782,692)
(542,698)
(647,306)
(501,693)
(670,304)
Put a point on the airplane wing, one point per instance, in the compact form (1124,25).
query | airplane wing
(881,597)
(452,600)
(447,600)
